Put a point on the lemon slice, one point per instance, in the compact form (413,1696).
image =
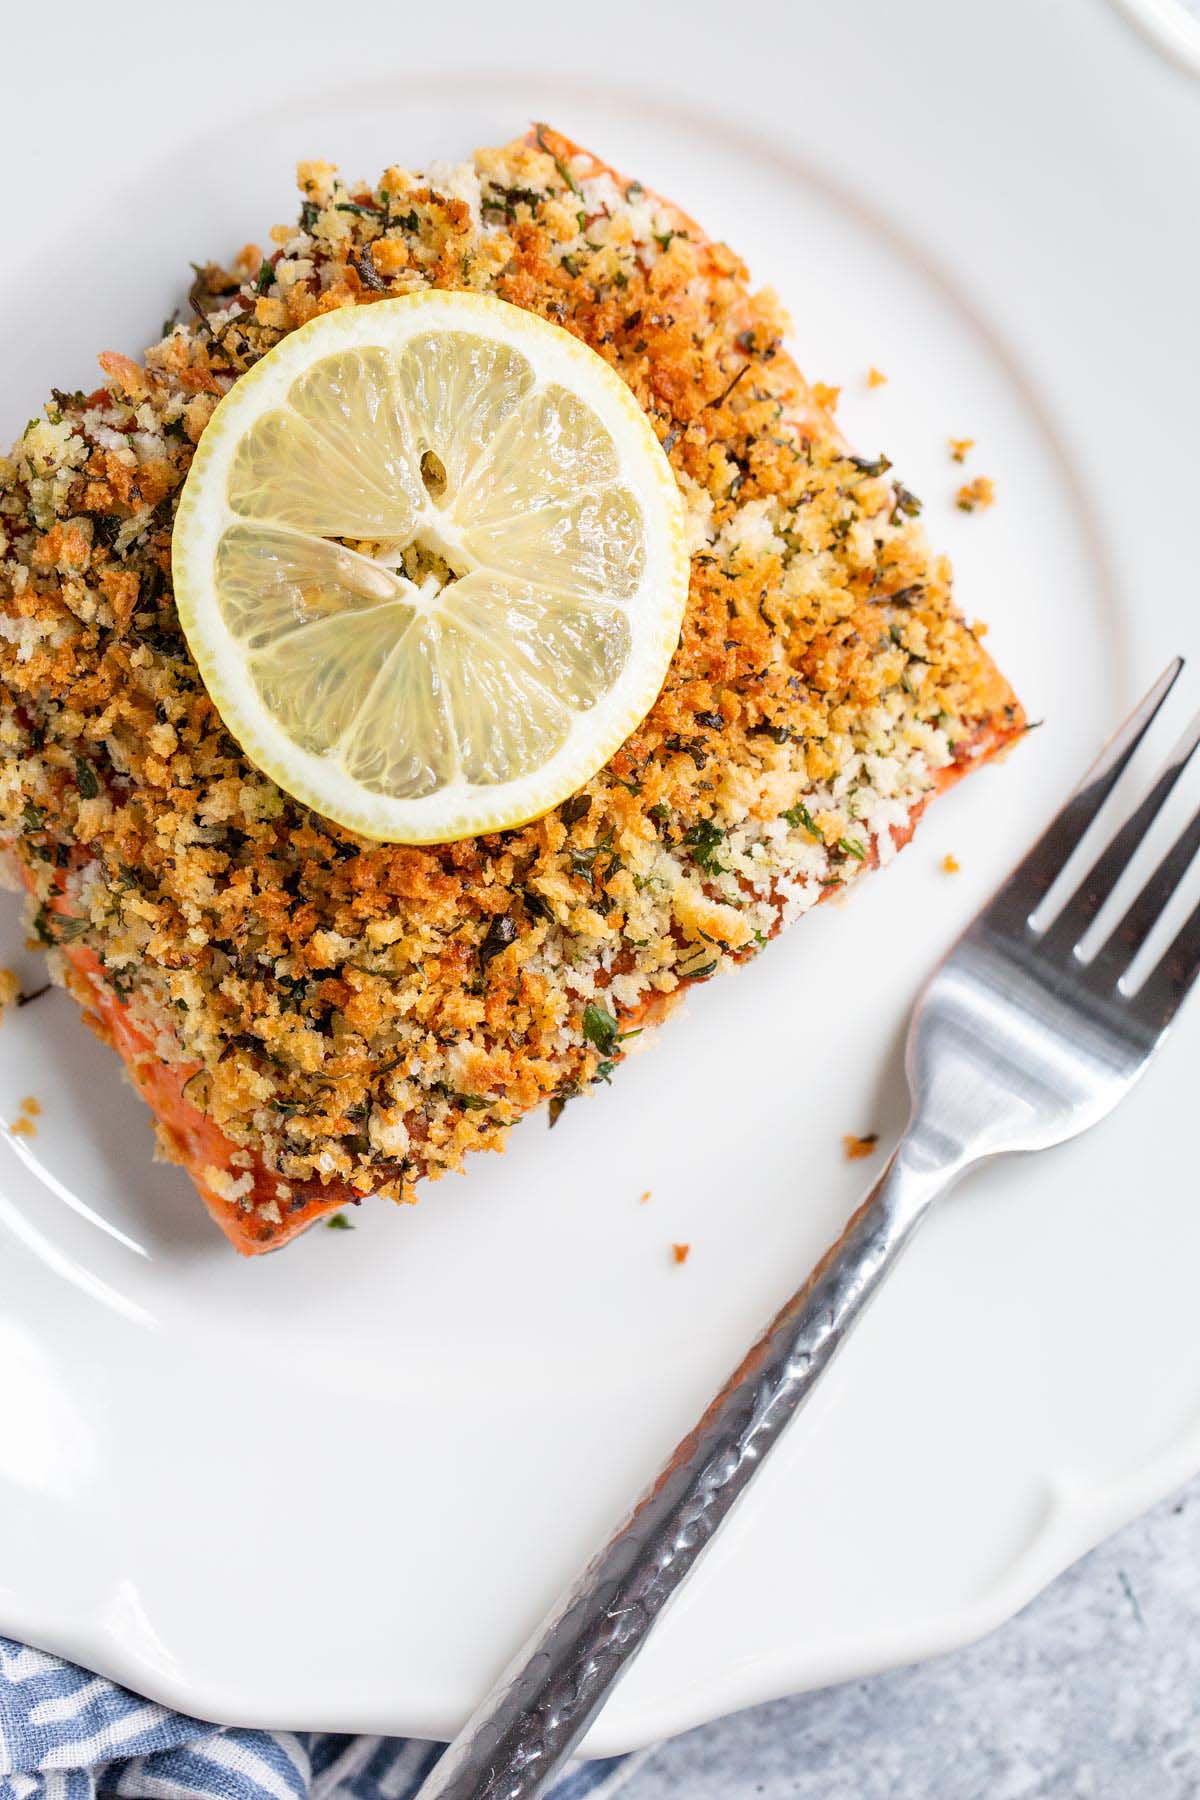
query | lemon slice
(430,562)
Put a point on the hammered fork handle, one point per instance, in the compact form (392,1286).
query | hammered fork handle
(527,1727)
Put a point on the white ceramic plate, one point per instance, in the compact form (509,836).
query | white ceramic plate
(335,1487)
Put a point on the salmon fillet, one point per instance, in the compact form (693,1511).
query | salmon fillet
(312,1017)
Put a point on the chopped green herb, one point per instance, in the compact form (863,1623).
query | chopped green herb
(559,1100)
(704,840)
(506,200)
(852,847)
(576,808)
(583,862)
(121,981)
(865,466)
(500,934)
(680,747)
(699,974)
(472,1102)
(600,1028)
(634,191)
(338,1222)
(537,905)
(557,161)
(368,274)
(67,930)
(604,1071)
(86,779)
(720,400)
(33,816)
(266,276)
(799,816)
(906,503)
(353,206)
(310,212)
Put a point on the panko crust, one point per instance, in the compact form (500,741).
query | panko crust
(315,1016)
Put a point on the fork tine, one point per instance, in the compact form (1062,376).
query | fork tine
(1097,885)
(1143,913)
(1161,995)
(1036,874)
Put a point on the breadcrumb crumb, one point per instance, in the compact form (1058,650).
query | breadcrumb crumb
(825,396)
(31,1106)
(959,448)
(858,1147)
(644,1197)
(681,1252)
(23,1127)
(876,378)
(973,496)
(950,864)
(10,989)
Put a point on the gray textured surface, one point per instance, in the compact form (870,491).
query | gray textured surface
(1093,1691)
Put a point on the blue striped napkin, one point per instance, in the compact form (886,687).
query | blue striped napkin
(66,1734)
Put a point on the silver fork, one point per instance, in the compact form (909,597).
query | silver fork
(1015,1044)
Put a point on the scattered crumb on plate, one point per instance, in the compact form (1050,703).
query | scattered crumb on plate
(856,1147)
(25,1124)
(972,496)
(876,378)
(959,448)
(10,988)
(642,1198)
(681,1252)
(950,864)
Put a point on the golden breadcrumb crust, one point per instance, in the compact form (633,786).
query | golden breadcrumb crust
(349,1013)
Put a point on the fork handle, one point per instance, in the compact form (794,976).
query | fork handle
(527,1727)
